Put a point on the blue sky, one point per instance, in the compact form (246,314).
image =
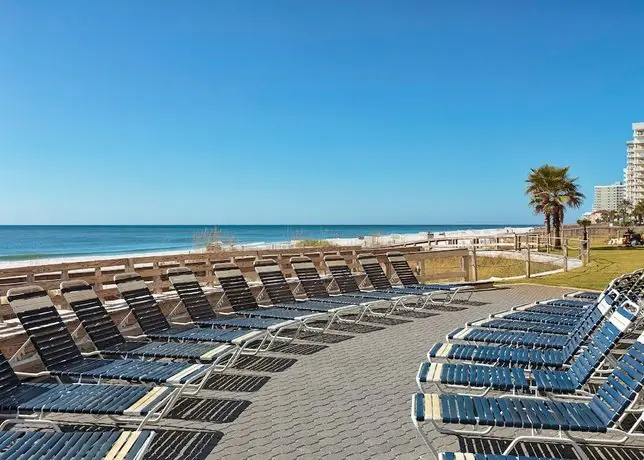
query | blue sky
(327,112)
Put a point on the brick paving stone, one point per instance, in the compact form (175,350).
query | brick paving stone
(351,399)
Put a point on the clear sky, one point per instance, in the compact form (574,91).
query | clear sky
(243,112)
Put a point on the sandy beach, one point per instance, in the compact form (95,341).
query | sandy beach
(367,241)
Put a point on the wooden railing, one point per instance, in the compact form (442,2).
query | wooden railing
(100,273)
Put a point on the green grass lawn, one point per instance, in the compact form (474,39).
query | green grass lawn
(606,263)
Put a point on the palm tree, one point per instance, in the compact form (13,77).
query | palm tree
(551,190)
(624,210)
(638,212)
(584,223)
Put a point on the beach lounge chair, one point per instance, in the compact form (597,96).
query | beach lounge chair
(202,313)
(407,278)
(517,355)
(155,325)
(574,308)
(379,281)
(542,323)
(63,359)
(534,339)
(481,377)
(615,400)
(243,302)
(346,283)
(22,402)
(562,315)
(583,295)
(89,445)
(274,285)
(109,342)
(469,456)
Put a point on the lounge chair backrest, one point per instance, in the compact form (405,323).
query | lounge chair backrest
(190,292)
(9,381)
(374,271)
(274,282)
(341,274)
(93,315)
(588,324)
(235,286)
(309,277)
(44,326)
(138,297)
(603,341)
(402,268)
(622,387)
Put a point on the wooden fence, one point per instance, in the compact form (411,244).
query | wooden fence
(100,273)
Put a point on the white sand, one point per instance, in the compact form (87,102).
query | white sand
(367,241)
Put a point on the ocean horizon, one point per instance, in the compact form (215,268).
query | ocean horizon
(29,242)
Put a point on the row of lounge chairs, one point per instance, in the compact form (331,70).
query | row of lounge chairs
(170,359)
(542,375)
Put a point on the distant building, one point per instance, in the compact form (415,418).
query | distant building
(608,197)
(634,171)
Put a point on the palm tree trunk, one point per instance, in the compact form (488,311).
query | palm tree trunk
(546,219)
(556,223)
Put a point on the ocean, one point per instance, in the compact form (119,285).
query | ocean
(25,242)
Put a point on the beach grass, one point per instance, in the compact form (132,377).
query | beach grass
(606,263)
(312,244)
(487,267)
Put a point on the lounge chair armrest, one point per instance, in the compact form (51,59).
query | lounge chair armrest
(91,353)
(32,374)
(137,337)
(180,323)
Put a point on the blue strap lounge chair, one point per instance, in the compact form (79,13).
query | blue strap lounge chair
(90,445)
(20,402)
(468,456)
(346,283)
(605,414)
(515,355)
(571,308)
(477,377)
(243,302)
(109,341)
(534,339)
(63,359)
(274,285)
(583,295)
(279,293)
(541,323)
(202,313)
(155,325)
(407,278)
(624,284)
(376,276)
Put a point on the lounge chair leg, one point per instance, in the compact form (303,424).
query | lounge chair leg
(422,434)
(562,439)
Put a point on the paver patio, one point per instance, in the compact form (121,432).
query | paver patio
(349,400)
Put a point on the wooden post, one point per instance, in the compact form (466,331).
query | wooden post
(98,285)
(465,266)
(516,242)
(527,263)
(473,273)
(564,247)
(156,280)
(423,271)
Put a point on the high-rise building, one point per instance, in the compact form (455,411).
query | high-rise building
(608,197)
(634,171)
